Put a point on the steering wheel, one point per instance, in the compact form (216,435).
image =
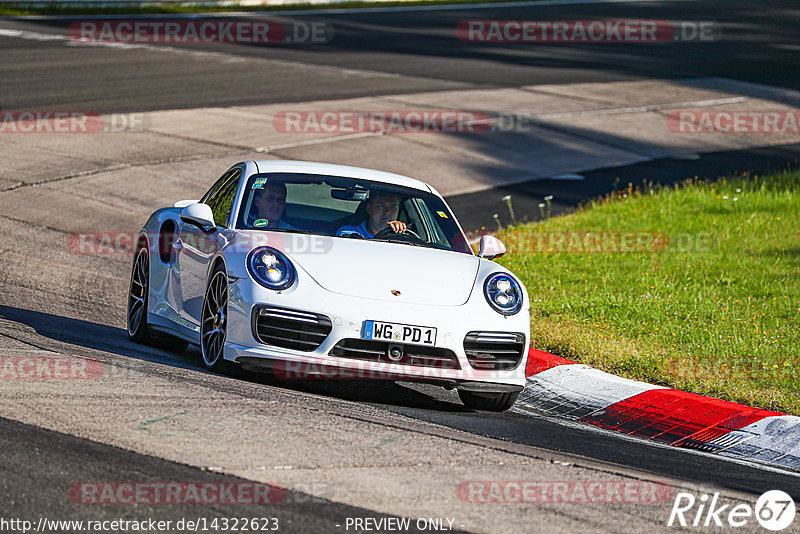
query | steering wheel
(405,235)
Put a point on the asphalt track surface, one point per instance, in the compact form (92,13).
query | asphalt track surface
(35,482)
(419,54)
(418,49)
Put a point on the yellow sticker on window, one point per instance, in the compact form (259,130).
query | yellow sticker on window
(442,214)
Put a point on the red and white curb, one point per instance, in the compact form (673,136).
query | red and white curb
(564,388)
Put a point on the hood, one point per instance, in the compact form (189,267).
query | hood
(373,270)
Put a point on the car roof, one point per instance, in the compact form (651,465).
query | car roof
(331,169)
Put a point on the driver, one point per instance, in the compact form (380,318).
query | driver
(268,208)
(382,210)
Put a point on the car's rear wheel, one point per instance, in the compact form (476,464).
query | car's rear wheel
(490,402)
(138,296)
(214,321)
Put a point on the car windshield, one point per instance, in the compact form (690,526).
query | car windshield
(343,207)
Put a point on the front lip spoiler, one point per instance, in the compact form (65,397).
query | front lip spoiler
(261,365)
(487,387)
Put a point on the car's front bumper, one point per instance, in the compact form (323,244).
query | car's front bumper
(347,315)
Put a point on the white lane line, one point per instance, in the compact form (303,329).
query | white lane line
(455,7)
(342,11)
(643,109)
(621,110)
(225,58)
(32,36)
(567,176)
(319,141)
(39,36)
(204,54)
(30,352)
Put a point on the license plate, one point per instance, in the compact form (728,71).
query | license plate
(401,333)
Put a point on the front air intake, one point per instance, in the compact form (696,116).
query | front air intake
(494,351)
(379,351)
(290,329)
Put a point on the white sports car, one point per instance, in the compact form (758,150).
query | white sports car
(311,270)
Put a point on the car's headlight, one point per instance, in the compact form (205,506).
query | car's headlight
(270,268)
(503,293)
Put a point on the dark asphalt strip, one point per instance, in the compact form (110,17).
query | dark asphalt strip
(38,467)
(418,53)
(475,210)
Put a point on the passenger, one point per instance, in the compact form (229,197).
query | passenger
(268,209)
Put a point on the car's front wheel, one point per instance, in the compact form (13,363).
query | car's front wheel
(214,321)
(490,402)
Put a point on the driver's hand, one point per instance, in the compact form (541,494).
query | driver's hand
(397,226)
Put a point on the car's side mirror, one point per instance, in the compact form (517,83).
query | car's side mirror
(199,215)
(184,203)
(491,247)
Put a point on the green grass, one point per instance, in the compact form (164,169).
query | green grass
(20,9)
(714,310)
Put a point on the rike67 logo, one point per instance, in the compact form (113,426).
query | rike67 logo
(774,510)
